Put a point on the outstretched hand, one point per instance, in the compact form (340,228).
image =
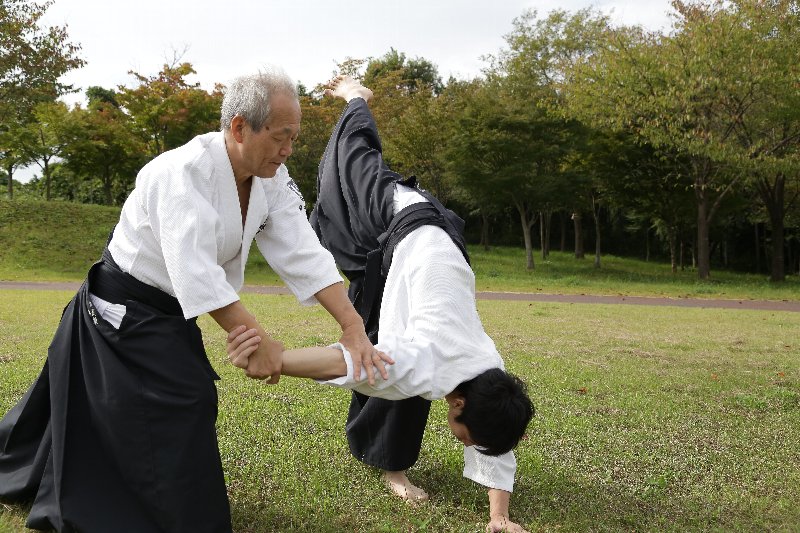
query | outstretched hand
(259,360)
(362,352)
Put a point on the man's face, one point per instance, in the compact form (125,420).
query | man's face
(264,151)
(459,430)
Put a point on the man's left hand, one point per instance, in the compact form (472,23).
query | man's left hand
(354,338)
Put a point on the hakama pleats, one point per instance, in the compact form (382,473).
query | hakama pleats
(118,431)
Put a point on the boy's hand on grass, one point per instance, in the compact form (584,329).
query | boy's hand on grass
(503,524)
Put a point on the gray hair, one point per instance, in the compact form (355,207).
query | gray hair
(249,96)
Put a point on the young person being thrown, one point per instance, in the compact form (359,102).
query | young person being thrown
(425,319)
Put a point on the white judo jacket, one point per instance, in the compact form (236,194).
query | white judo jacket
(181,230)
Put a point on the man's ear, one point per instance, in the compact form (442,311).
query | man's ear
(237,128)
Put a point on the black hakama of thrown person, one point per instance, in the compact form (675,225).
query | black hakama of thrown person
(355,220)
(118,431)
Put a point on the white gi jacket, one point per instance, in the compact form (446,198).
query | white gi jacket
(181,230)
(430,326)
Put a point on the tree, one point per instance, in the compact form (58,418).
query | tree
(168,111)
(506,150)
(33,58)
(12,152)
(44,138)
(102,146)
(31,63)
(535,67)
(766,121)
(414,74)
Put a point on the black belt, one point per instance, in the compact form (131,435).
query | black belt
(109,282)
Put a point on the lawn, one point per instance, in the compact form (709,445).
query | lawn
(648,419)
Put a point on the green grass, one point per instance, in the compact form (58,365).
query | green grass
(503,269)
(57,241)
(648,419)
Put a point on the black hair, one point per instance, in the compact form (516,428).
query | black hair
(496,410)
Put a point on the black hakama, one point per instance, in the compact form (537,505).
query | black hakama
(118,431)
(354,219)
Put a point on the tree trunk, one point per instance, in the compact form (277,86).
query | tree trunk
(484,230)
(647,247)
(576,220)
(46,172)
(683,249)
(107,186)
(526,232)
(596,216)
(758,250)
(778,271)
(703,243)
(541,235)
(671,238)
(562,219)
(10,172)
(548,220)
(773,198)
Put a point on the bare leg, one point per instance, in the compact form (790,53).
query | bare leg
(402,487)
(347,88)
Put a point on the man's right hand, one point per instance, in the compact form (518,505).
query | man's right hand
(260,359)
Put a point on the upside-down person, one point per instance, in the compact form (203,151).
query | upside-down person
(411,281)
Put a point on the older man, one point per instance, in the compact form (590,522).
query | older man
(118,432)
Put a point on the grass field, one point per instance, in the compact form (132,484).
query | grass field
(648,419)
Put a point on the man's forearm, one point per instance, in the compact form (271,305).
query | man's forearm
(233,315)
(334,299)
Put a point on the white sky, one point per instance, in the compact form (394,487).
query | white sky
(306,38)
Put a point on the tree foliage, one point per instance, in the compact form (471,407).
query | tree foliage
(167,110)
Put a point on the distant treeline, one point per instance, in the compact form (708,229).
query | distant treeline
(581,135)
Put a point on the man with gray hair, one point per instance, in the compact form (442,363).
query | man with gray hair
(118,432)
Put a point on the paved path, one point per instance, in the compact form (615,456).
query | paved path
(763,305)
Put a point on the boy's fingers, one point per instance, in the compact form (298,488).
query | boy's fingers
(232,334)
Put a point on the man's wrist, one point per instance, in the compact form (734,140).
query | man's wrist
(352,321)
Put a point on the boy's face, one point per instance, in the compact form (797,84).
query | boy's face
(456,403)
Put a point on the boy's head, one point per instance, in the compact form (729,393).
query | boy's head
(490,411)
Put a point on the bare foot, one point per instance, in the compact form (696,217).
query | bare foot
(347,88)
(398,483)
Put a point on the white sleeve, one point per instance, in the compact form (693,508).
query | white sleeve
(184,223)
(409,376)
(494,472)
(292,249)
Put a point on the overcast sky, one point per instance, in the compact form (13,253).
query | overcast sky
(306,38)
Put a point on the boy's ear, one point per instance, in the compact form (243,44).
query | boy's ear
(459,402)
